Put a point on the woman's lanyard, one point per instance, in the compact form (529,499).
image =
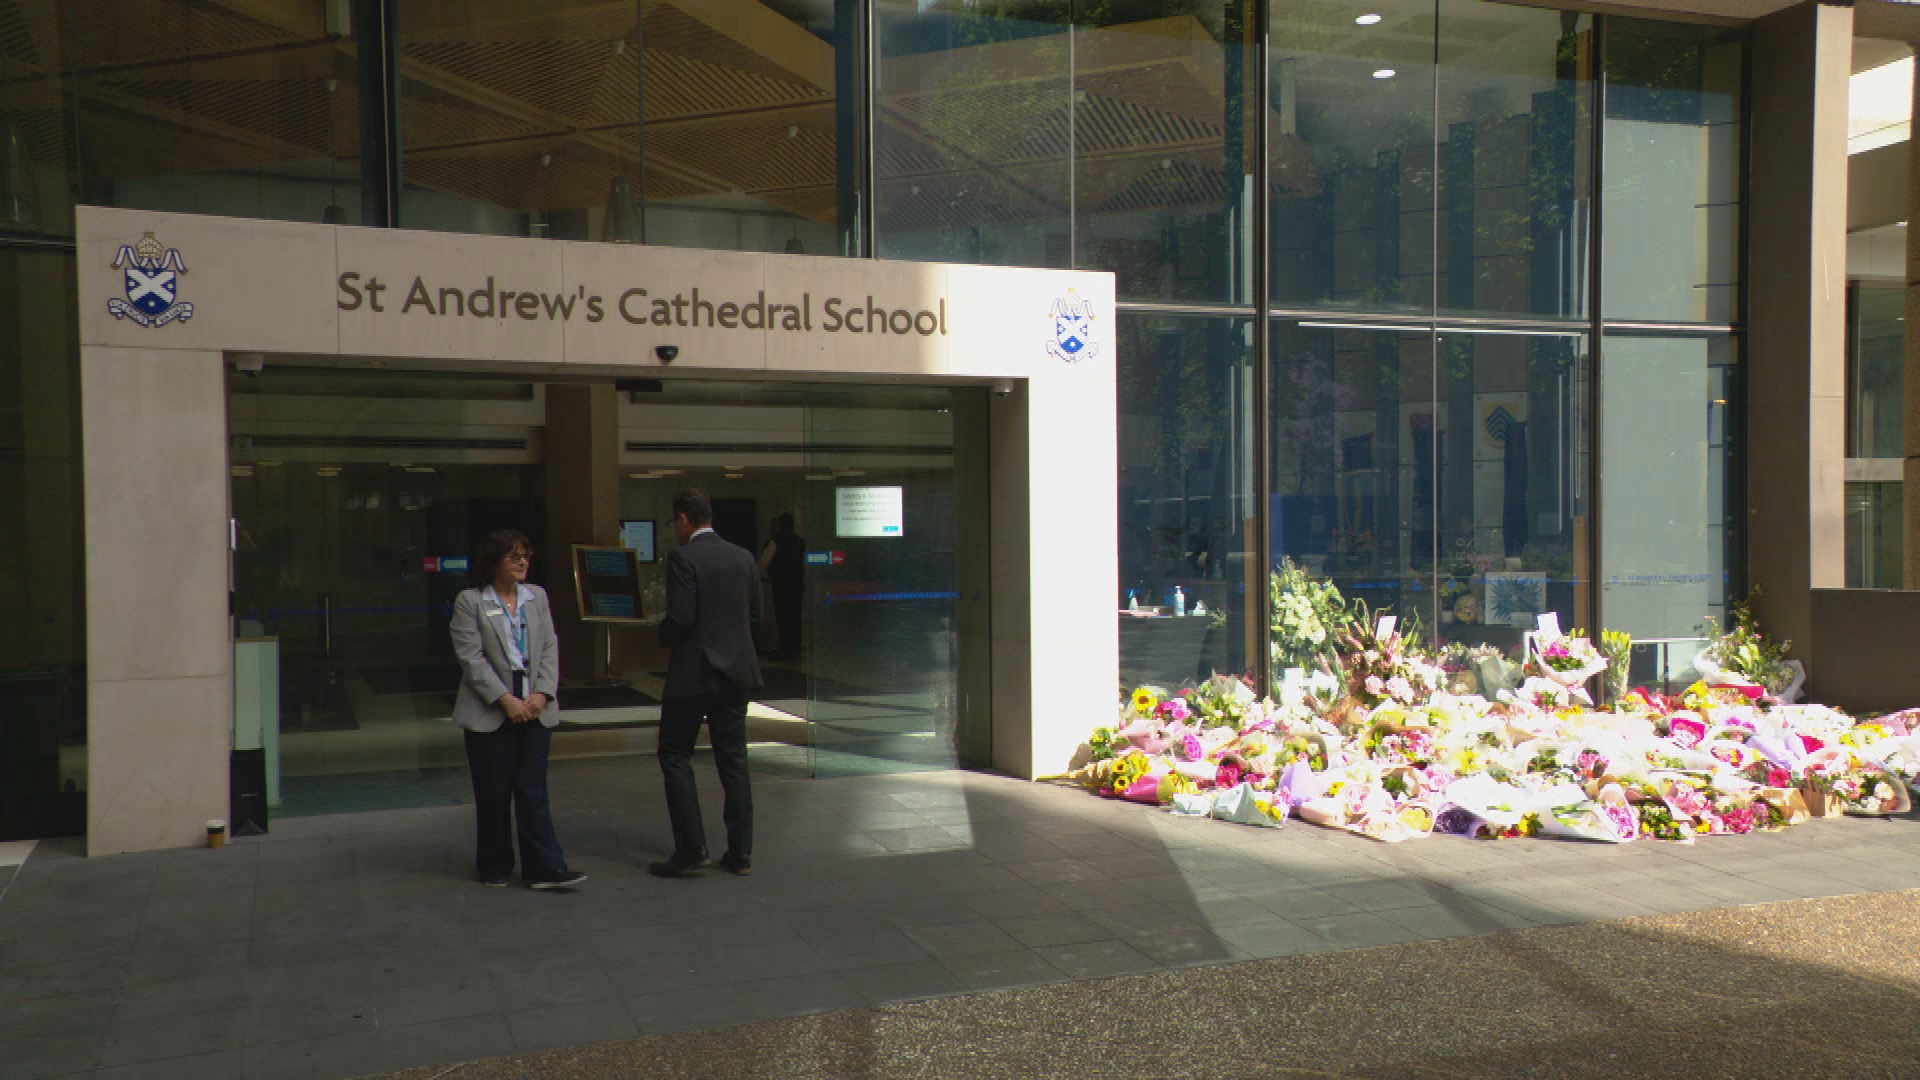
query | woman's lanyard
(517,618)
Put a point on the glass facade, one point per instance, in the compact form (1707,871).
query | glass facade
(1442,475)
(710,125)
(1476,418)
(1666,482)
(248,111)
(1404,185)
(357,496)
(1439,299)
(1876,525)
(1187,506)
(1670,159)
(43,647)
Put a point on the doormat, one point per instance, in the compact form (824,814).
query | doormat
(411,679)
(620,696)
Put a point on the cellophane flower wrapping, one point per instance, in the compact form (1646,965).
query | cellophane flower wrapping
(1391,749)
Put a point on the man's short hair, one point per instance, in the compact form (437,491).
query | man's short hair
(695,505)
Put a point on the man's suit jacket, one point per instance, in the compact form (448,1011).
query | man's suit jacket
(480,629)
(713,600)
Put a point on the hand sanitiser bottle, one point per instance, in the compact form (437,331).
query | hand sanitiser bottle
(1179,601)
(1133,600)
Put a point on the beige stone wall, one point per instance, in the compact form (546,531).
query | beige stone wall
(154,408)
(159,655)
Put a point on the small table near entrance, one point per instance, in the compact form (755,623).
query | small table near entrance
(1161,650)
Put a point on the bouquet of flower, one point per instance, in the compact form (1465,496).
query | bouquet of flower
(1742,654)
(1868,791)
(1308,614)
(1617,647)
(1222,701)
(1386,668)
(1569,659)
(1658,820)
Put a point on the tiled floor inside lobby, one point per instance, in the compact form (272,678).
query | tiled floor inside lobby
(357,943)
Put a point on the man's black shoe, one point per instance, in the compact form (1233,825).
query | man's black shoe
(677,867)
(565,879)
(736,864)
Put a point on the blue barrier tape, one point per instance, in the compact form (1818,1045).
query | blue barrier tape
(302,613)
(855,598)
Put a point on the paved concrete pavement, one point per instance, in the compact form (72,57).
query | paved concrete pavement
(357,943)
(1812,988)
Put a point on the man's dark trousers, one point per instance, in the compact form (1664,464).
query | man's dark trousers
(725,714)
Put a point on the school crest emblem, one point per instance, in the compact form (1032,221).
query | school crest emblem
(152,273)
(1072,329)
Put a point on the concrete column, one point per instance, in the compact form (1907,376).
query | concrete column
(582,450)
(159,652)
(1796,289)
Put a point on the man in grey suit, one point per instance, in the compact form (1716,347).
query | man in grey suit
(713,600)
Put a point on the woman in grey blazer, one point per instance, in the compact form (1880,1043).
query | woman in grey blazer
(510,675)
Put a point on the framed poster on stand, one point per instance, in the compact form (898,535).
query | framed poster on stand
(606,585)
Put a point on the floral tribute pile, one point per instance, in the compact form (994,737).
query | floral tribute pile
(1384,741)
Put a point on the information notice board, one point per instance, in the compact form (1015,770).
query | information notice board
(606,582)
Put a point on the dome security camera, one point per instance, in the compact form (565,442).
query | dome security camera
(249,364)
(1002,387)
(667,353)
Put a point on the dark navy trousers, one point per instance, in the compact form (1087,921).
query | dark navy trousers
(509,766)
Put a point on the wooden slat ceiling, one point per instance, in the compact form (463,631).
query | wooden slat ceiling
(535,111)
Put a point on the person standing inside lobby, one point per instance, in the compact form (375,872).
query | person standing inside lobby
(510,675)
(785,561)
(713,600)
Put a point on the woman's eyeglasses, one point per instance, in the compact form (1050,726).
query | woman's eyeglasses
(518,556)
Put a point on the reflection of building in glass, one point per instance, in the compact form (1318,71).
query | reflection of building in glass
(1436,302)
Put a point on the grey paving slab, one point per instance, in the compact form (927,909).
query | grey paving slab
(220,1065)
(1002,968)
(568,1025)
(796,995)
(686,1009)
(1097,959)
(871,948)
(1280,938)
(1668,995)
(1043,931)
(357,943)
(911,980)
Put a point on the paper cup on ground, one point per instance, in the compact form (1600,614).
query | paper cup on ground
(216,833)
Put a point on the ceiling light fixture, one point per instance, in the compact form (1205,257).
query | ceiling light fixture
(1368,19)
(1385,73)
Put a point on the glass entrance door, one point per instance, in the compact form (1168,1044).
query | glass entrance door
(884,555)
(357,498)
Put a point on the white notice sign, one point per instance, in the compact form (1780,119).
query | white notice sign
(867,511)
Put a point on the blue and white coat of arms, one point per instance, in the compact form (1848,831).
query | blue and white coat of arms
(152,282)
(1072,329)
